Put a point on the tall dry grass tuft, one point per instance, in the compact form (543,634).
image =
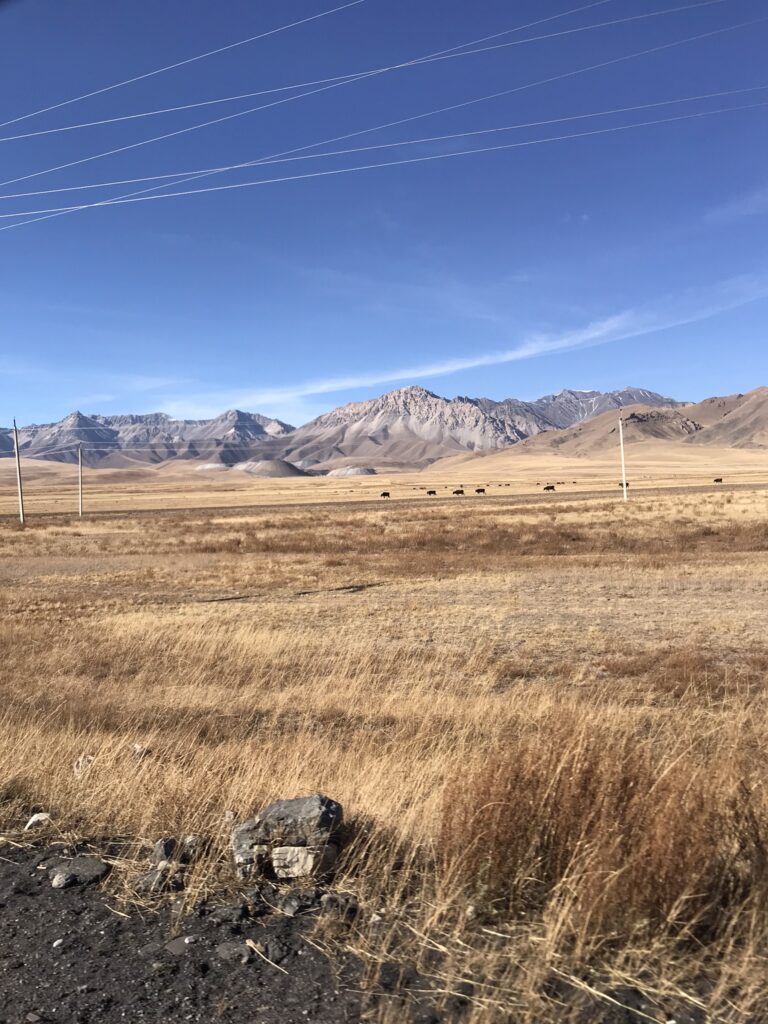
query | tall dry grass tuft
(638,832)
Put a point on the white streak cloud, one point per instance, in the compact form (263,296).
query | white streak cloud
(693,306)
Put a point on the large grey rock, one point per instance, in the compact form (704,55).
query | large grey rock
(79,870)
(308,822)
(305,821)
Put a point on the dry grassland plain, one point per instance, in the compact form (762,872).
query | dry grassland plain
(547,722)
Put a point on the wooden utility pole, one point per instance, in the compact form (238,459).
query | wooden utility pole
(80,479)
(623,464)
(18,472)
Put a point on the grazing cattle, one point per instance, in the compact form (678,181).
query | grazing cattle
(384,494)
(458,491)
(479,490)
(621,484)
(431,494)
(718,479)
(549,487)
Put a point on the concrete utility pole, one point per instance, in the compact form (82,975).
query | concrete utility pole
(18,472)
(80,478)
(623,463)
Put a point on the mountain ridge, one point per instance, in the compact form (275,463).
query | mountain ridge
(407,426)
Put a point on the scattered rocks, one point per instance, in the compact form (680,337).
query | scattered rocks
(115,966)
(80,870)
(290,838)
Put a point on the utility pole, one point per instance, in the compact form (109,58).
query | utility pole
(18,472)
(80,478)
(623,463)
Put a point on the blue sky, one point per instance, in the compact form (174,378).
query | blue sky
(633,256)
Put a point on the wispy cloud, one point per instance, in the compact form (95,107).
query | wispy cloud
(423,295)
(690,307)
(753,204)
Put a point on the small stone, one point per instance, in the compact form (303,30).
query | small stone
(162,851)
(298,901)
(80,870)
(82,764)
(159,880)
(150,950)
(342,905)
(228,915)
(180,945)
(37,820)
(63,880)
(32,1018)
(193,847)
(57,943)
(276,950)
(234,951)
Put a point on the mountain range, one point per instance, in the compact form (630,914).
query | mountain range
(736,421)
(406,427)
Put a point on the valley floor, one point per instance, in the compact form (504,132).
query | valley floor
(546,723)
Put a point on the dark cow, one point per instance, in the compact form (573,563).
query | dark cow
(621,484)
(718,479)
(384,494)
(458,491)
(431,494)
(479,490)
(549,487)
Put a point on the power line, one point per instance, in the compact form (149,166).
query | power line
(391,124)
(181,63)
(444,55)
(265,106)
(384,145)
(392,163)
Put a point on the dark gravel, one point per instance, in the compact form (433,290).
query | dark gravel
(72,955)
(67,955)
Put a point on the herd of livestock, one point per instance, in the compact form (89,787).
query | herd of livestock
(459,492)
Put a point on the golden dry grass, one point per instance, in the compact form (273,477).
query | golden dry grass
(547,724)
(517,472)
